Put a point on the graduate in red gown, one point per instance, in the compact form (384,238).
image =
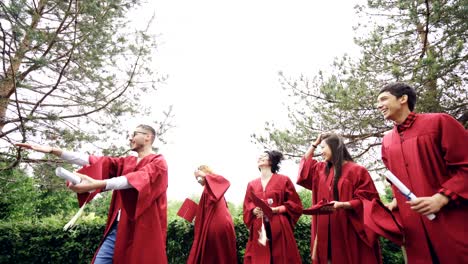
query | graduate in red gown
(215,238)
(429,154)
(137,221)
(278,192)
(341,236)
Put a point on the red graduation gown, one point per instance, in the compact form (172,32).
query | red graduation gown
(431,154)
(282,191)
(215,238)
(351,242)
(141,232)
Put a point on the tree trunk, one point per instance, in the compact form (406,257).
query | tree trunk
(8,84)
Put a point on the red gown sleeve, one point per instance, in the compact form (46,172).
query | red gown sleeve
(308,172)
(149,183)
(100,168)
(249,217)
(453,143)
(216,186)
(292,202)
(363,190)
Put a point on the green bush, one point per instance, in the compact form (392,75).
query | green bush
(45,242)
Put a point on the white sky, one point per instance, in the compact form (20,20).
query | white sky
(222,59)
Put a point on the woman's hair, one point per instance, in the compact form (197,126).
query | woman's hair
(340,154)
(275,158)
(205,169)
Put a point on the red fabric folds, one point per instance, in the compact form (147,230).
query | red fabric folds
(319,208)
(280,190)
(215,239)
(428,156)
(267,211)
(350,240)
(141,232)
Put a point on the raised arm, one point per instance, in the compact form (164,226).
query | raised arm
(309,167)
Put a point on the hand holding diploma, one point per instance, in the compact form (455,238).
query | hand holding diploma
(87,184)
(407,193)
(429,205)
(67,175)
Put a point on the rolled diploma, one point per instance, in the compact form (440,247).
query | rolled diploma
(67,175)
(404,190)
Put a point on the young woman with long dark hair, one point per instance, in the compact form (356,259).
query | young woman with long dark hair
(339,236)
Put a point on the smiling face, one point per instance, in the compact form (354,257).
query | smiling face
(390,106)
(139,138)
(326,151)
(263,161)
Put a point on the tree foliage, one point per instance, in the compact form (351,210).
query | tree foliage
(71,71)
(419,42)
(25,197)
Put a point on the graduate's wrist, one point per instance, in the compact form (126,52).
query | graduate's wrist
(99,184)
(55,151)
(441,199)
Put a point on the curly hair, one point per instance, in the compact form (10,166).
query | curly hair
(275,158)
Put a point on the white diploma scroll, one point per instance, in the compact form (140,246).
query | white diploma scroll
(67,175)
(404,190)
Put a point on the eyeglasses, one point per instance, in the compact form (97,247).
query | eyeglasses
(136,133)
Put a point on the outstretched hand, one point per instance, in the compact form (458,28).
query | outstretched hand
(35,147)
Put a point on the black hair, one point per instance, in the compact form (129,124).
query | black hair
(275,158)
(398,90)
(149,129)
(339,154)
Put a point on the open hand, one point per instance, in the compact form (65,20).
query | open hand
(35,147)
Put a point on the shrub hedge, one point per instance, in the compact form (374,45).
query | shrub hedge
(46,242)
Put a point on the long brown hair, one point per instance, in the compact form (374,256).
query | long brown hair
(340,154)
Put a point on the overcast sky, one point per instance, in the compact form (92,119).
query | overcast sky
(223,59)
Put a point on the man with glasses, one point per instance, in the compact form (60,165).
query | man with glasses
(137,220)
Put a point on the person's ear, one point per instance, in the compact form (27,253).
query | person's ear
(404,99)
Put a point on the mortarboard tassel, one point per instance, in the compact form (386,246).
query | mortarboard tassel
(262,239)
